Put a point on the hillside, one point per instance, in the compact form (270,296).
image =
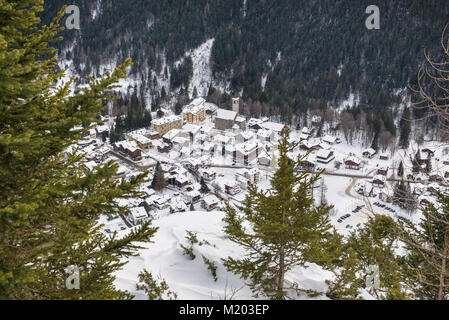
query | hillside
(293,56)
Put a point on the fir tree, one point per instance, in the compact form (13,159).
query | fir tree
(204,188)
(159,182)
(374,245)
(401,169)
(417,163)
(427,244)
(154,289)
(49,203)
(404,125)
(285,230)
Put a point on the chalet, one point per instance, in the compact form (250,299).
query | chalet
(164,125)
(208,147)
(180,142)
(192,196)
(137,215)
(159,202)
(383,156)
(129,148)
(352,163)
(211,108)
(265,135)
(325,156)
(331,139)
(253,175)
(273,126)
(365,189)
(190,131)
(379,181)
(255,124)
(382,170)
(170,135)
(101,130)
(247,152)
(232,187)
(154,135)
(195,111)
(306,131)
(163,148)
(264,159)
(177,205)
(307,163)
(369,153)
(210,202)
(208,174)
(191,163)
(306,145)
(101,154)
(143,142)
(244,136)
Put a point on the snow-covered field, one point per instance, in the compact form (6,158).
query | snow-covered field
(191,279)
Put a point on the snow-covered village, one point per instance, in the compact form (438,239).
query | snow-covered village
(207,156)
(218,150)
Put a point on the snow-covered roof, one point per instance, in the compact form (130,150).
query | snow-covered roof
(323,153)
(329,139)
(353,159)
(138,212)
(277,127)
(171,134)
(166,120)
(226,114)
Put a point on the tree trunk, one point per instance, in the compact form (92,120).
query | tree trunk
(443,270)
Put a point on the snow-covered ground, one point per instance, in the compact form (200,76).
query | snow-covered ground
(191,279)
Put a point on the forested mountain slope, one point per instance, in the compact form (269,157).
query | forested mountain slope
(289,53)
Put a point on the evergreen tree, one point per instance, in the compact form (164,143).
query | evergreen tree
(285,230)
(429,164)
(417,163)
(427,244)
(374,246)
(49,203)
(178,108)
(204,188)
(404,125)
(159,182)
(155,290)
(401,169)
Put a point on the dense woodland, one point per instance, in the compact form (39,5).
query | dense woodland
(312,54)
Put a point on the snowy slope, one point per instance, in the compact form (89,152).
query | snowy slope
(191,279)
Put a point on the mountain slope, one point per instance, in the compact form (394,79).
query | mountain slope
(310,53)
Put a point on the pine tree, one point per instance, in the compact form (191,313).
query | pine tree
(159,182)
(417,163)
(429,165)
(427,244)
(374,246)
(401,169)
(285,230)
(49,203)
(404,125)
(204,188)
